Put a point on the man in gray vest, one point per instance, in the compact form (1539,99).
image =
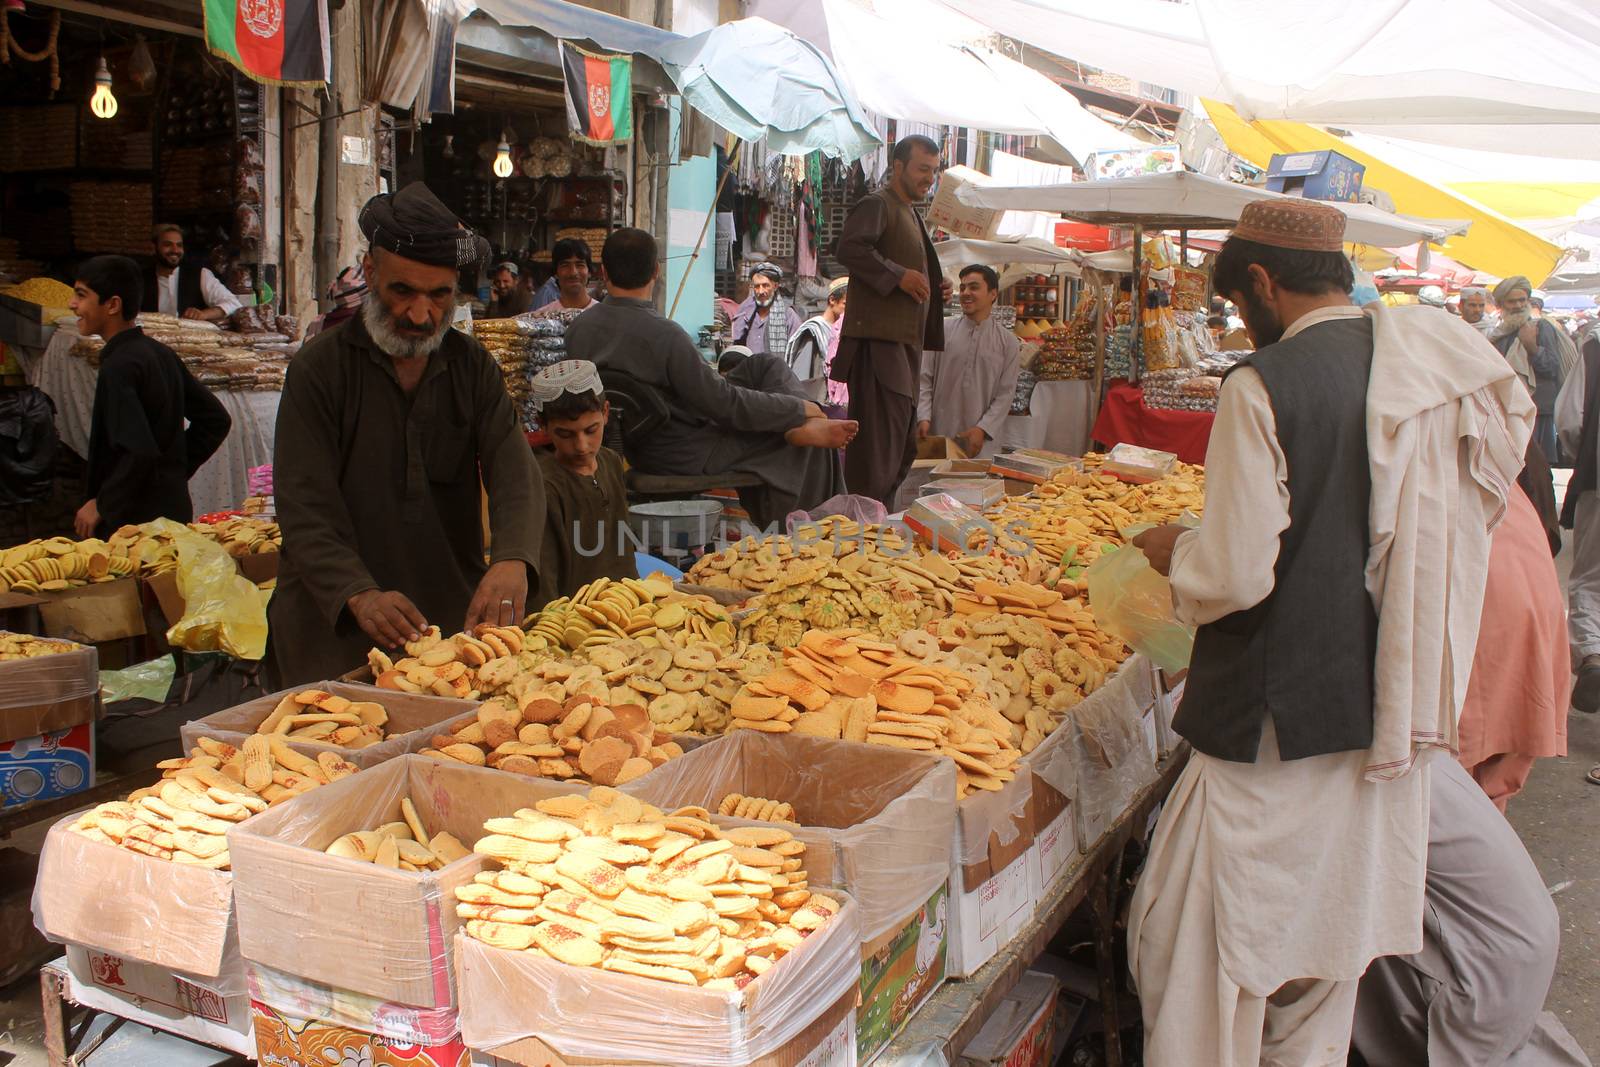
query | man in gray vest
(1337,583)
(894,278)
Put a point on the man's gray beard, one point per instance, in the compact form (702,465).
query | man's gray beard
(760,303)
(380,326)
(1511,322)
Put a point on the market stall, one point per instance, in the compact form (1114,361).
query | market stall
(644,796)
(68,379)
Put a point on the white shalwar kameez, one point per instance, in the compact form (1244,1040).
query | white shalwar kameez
(1271,885)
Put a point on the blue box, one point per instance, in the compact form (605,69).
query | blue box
(53,764)
(1324,175)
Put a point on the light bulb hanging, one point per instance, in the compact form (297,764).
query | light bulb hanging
(502,159)
(103,103)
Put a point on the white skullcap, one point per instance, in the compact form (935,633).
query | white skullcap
(568,376)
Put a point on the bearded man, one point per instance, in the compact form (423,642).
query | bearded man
(387,423)
(765,321)
(1475,309)
(1535,350)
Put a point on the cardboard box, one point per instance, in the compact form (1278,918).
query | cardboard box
(54,764)
(306,1001)
(934,450)
(1055,850)
(413,720)
(1325,175)
(984,919)
(876,821)
(1133,162)
(899,972)
(259,566)
(159,998)
(539,1012)
(1019,1032)
(48,693)
(89,614)
(287,1040)
(950,214)
(172,916)
(378,931)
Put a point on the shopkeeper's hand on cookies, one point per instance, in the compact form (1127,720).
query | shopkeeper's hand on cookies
(501,595)
(1156,544)
(87,519)
(388,617)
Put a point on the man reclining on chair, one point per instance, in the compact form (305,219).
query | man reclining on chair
(715,427)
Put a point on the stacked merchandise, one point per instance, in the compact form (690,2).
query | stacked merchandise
(112,217)
(1119,351)
(593,236)
(194,178)
(508,346)
(219,359)
(12,262)
(53,297)
(1168,390)
(38,138)
(1159,333)
(1067,352)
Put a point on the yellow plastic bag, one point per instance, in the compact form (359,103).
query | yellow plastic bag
(1132,601)
(223,610)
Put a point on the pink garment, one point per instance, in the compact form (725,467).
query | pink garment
(555,307)
(1521,676)
(838,392)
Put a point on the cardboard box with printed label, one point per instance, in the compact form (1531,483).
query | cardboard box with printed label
(985,919)
(413,720)
(958,219)
(382,932)
(160,998)
(1019,1032)
(899,972)
(54,764)
(286,1040)
(1108,740)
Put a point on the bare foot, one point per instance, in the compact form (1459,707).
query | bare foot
(823,433)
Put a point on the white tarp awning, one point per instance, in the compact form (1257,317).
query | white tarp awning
(1184,200)
(1499,75)
(1013,259)
(912,68)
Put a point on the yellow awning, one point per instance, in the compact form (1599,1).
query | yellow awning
(1495,244)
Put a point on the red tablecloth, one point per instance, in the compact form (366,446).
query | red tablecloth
(1123,417)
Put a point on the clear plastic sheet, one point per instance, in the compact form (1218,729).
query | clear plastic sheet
(378,931)
(1113,762)
(986,819)
(166,914)
(223,610)
(413,720)
(862,509)
(150,680)
(305,999)
(886,815)
(584,1012)
(1053,761)
(43,680)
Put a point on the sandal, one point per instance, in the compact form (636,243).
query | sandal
(1594,775)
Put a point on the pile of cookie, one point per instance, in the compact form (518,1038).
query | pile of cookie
(403,844)
(185,817)
(544,729)
(242,535)
(321,717)
(465,666)
(685,685)
(60,563)
(845,685)
(759,809)
(647,610)
(27,646)
(609,882)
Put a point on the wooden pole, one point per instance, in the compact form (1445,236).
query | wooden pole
(704,226)
(1136,340)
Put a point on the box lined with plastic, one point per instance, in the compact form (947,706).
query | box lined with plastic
(378,931)
(413,720)
(304,999)
(43,693)
(886,815)
(585,1013)
(1107,745)
(170,915)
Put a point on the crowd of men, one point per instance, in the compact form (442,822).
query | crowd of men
(1330,874)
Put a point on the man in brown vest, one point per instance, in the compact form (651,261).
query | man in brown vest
(894,274)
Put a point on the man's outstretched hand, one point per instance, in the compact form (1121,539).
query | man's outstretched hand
(388,617)
(823,433)
(501,595)
(1157,543)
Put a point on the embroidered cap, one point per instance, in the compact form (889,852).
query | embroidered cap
(568,376)
(1290,222)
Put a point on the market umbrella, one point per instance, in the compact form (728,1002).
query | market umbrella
(1506,75)
(1495,244)
(756,79)
(1013,258)
(1182,200)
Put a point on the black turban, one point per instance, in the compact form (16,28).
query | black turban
(415,224)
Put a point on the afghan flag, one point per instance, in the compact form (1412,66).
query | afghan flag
(599,95)
(281,42)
